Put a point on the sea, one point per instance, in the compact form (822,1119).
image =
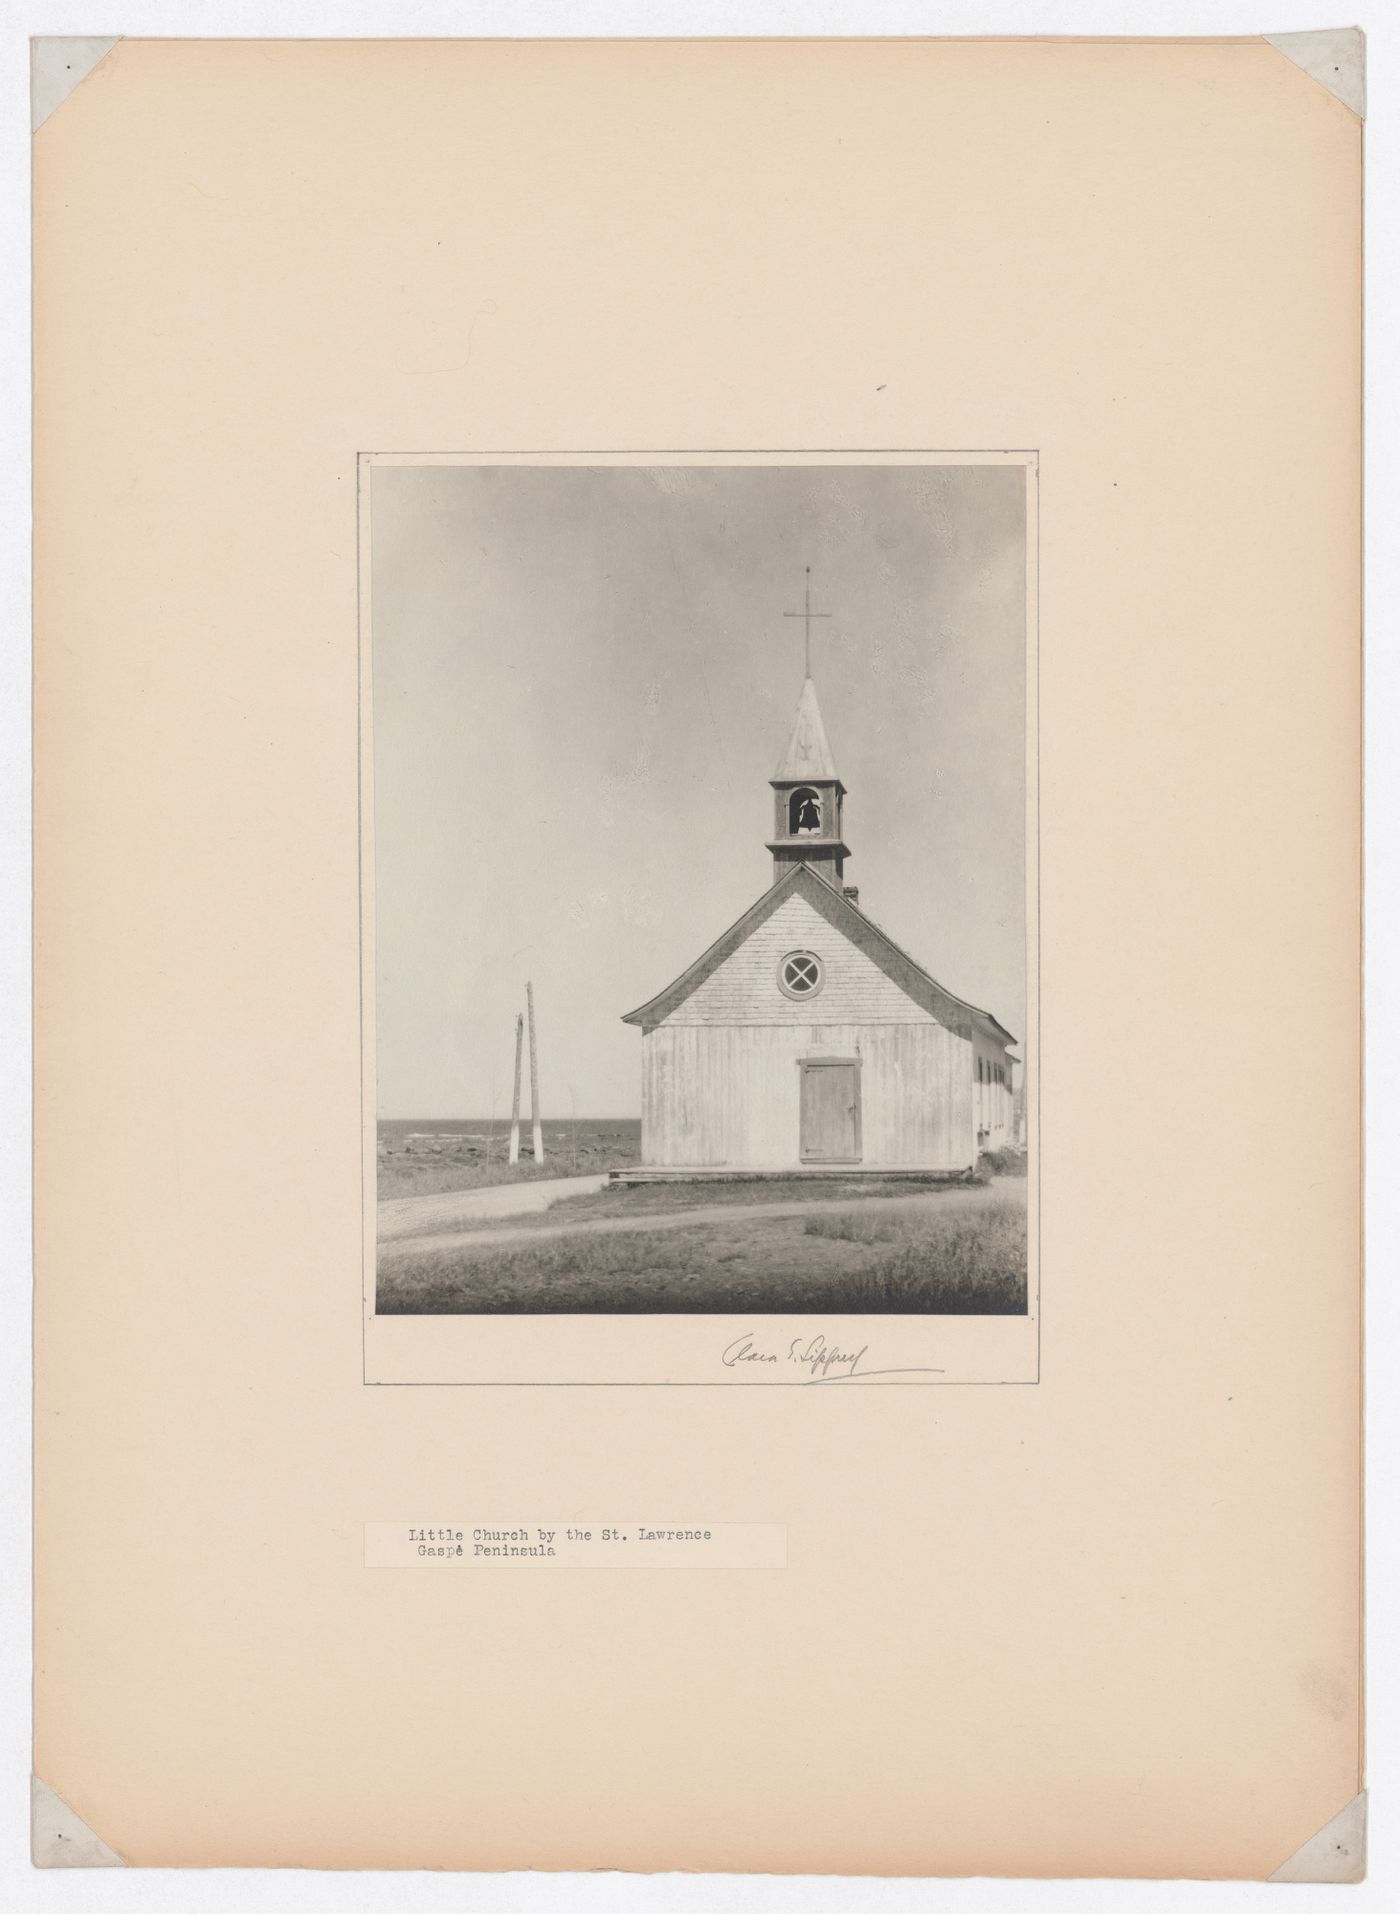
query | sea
(623,1133)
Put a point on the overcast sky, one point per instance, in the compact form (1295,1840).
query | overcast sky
(583,680)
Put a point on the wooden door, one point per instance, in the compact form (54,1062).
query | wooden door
(830,1116)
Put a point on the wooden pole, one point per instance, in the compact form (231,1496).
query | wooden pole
(515,1100)
(534,1077)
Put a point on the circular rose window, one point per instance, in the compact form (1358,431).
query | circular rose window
(800,973)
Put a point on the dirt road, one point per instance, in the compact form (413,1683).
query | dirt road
(403,1247)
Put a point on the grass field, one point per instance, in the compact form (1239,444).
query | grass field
(426,1156)
(962,1252)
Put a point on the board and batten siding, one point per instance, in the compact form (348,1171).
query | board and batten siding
(727,1095)
(994,1102)
(744,988)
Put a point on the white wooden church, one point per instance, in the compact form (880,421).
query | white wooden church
(805,1038)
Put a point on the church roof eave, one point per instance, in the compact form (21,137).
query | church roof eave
(662,1004)
(898,965)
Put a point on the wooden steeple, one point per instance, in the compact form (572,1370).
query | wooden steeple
(808,796)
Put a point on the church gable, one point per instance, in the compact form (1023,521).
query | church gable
(749,986)
(914,989)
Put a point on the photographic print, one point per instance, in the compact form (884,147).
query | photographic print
(697,845)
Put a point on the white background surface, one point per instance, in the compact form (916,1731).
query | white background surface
(225,1891)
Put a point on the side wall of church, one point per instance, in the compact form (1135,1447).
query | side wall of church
(728,1094)
(992,1094)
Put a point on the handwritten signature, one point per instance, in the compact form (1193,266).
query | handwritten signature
(823,1361)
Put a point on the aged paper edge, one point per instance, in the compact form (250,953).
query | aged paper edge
(1336,1853)
(1333,56)
(60,1838)
(118,69)
(57,63)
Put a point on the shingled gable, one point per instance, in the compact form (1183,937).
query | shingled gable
(852,922)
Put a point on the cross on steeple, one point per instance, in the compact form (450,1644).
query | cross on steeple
(807,615)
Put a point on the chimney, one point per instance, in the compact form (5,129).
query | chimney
(851,894)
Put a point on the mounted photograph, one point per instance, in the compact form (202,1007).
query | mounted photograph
(697,852)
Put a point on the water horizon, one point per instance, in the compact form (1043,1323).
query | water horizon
(467,1126)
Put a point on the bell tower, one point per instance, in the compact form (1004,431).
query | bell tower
(807,799)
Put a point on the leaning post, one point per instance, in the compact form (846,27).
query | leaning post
(515,1100)
(534,1077)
